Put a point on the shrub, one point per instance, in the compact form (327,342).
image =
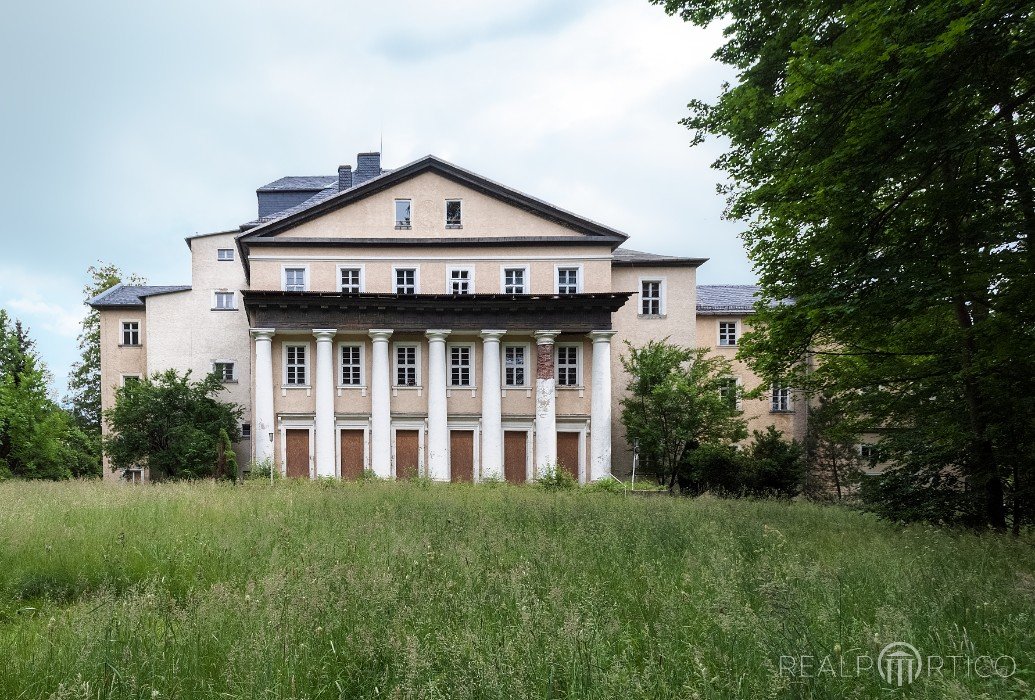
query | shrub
(556,479)
(776,466)
(717,468)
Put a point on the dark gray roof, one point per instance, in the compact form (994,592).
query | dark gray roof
(726,298)
(131,295)
(636,258)
(300,182)
(328,191)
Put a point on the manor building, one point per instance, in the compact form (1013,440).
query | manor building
(421,321)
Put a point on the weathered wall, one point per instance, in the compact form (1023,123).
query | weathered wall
(118,361)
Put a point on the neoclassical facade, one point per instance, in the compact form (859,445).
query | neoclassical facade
(417,321)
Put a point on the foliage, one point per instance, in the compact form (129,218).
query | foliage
(226,460)
(171,424)
(718,469)
(777,465)
(908,494)
(882,155)
(674,404)
(555,478)
(833,462)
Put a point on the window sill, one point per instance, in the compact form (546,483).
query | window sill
(454,226)
(728,345)
(218,309)
(417,387)
(137,345)
(352,386)
(296,386)
(651,316)
(781,410)
(403,227)
(230,381)
(571,387)
(350,291)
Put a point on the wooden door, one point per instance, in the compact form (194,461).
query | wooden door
(407,454)
(568,452)
(515,455)
(351,454)
(297,453)
(461,455)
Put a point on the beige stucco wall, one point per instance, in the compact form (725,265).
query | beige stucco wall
(118,361)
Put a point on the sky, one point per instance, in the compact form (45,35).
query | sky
(126,126)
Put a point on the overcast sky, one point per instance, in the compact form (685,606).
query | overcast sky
(125,126)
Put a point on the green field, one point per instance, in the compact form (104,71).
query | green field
(410,590)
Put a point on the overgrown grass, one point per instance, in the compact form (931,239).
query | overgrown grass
(417,590)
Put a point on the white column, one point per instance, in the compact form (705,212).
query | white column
(263,428)
(324,386)
(545,404)
(492,407)
(600,407)
(438,426)
(380,405)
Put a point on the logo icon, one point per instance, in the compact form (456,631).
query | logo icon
(899,663)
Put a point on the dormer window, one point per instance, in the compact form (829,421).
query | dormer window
(403,210)
(454,214)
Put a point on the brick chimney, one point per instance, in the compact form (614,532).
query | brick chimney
(368,166)
(344,177)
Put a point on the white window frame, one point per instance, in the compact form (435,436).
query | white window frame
(221,258)
(737,388)
(445,213)
(305,276)
(450,269)
(578,366)
(362,364)
(362,276)
(773,408)
(527,366)
(233,370)
(662,296)
(416,361)
(215,300)
(718,333)
(139,332)
(503,278)
(416,277)
(395,214)
(579,277)
(124,377)
(284,362)
(449,366)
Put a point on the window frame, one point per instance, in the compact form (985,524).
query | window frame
(578,365)
(362,277)
(362,364)
(246,431)
(785,394)
(718,333)
(219,255)
(395,214)
(446,213)
(526,286)
(215,300)
(737,384)
(139,333)
(416,364)
(306,364)
(233,370)
(395,278)
(283,276)
(579,276)
(449,366)
(469,269)
(662,297)
(129,375)
(526,347)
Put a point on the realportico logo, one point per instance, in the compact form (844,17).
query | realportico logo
(898,665)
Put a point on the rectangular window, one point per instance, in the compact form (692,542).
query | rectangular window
(460,358)
(128,379)
(351,282)
(459,281)
(781,399)
(869,453)
(225,301)
(728,391)
(403,209)
(515,364)
(453,213)
(131,332)
(650,297)
(514,280)
(568,280)
(567,365)
(406,281)
(246,431)
(294,279)
(727,333)
(405,365)
(225,370)
(295,369)
(351,365)
(225,254)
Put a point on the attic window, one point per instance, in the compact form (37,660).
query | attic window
(225,254)
(453,214)
(402,213)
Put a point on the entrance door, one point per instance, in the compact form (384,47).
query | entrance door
(351,454)
(461,455)
(297,453)
(568,452)
(407,454)
(515,455)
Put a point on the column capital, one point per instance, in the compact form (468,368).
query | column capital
(601,336)
(381,334)
(262,333)
(436,334)
(324,334)
(492,334)
(545,337)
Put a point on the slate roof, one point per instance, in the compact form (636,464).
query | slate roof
(726,298)
(300,183)
(328,190)
(123,296)
(636,258)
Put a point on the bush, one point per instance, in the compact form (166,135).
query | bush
(907,494)
(777,467)
(716,468)
(557,479)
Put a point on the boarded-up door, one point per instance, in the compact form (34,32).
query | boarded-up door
(461,455)
(351,454)
(515,455)
(568,452)
(407,454)
(297,454)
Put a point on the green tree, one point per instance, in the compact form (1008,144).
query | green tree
(881,153)
(833,463)
(777,466)
(172,425)
(676,401)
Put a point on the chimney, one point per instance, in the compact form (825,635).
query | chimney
(368,166)
(344,177)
